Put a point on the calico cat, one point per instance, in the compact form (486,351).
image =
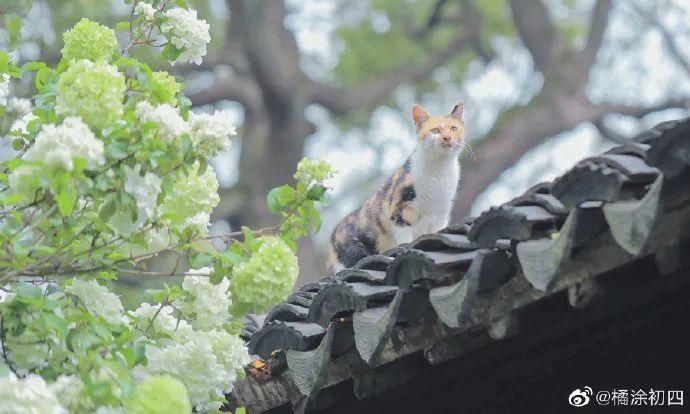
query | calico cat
(416,200)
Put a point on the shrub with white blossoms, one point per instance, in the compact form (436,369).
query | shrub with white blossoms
(111,169)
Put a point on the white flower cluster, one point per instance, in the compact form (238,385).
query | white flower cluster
(21,124)
(164,322)
(144,189)
(58,145)
(28,395)
(211,133)
(207,362)
(19,106)
(209,303)
(200,353)
(146,11)
(97,300)
(69,391)
(4,88)
(170,123)
(187,33)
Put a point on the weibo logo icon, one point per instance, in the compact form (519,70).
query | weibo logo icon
(580,397)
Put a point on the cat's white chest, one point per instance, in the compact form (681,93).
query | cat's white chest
(435,188)
(435,192)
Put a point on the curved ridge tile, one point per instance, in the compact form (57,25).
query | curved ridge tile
(432,267)
(377,262)
(510,222)
(317,285)
(415,304)
(543,187)
(590,222)
(287,312)
(546,201)
(308,368)
(633,167)
(588,181)
(300,336)
(361,275)
(670,147)
(301,298)
(441,241)
(661,129)
(453,303)
(372,328)
(251,324)
(631,148)
(341,297)
(631,221)
(541,259)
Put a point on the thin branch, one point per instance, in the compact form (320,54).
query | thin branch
(243,90)
(639,111)
(435,17)
(536,30)
(597,29)
(154,273)
(3,347)
(367,96)
(669,39)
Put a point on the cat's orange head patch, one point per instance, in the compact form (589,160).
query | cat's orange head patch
(445,130)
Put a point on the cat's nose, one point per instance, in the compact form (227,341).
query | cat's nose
(447,139)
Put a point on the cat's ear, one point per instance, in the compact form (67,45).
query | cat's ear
(457,111)
(420,115)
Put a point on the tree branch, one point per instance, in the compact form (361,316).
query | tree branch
(669,40)
(367,96)
(597,28)
(639,111)
(271,49)
(243,90)
(536,30)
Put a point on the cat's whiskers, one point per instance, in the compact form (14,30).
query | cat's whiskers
(467,148)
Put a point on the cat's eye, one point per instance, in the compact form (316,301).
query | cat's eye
(435,131)
(453,128)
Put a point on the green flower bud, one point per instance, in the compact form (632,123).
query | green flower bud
(267,277)
(89,40)
(163,88)
(159,394)
(92,91)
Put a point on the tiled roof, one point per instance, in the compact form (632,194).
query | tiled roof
(442,290)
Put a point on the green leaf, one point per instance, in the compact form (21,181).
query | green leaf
(56,323)
(128,355)
(17,144)
(139,353)
(108,209)
(66,199)
(218,274)
(279,197)
(25,290)
(80,340)
(13,25)
(4,62)
(124,26)
(316,192)
(170,52)
(33,67)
